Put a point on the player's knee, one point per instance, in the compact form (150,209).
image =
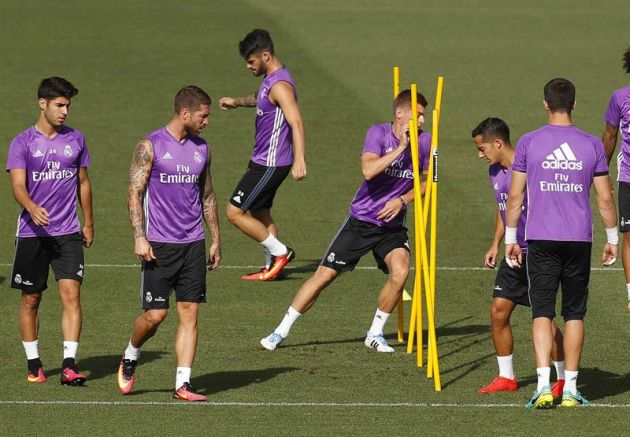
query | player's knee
(155,317)
(30,302)
(398,275)
(326,275)
(234,214)
(499,316)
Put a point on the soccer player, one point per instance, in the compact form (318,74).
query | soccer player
(48,168)
(375,223)
(617,119)
(492,138)
(170,190)
(279,149)
(557,164)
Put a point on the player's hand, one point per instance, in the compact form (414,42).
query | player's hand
(513,255)
(391,209)
(404,136)
(87,233)
(490,258)
(609,254)
(144,251)
(214,256)
(39,215)
(298,171)
(226,103)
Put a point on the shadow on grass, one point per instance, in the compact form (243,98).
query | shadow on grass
(216,382)
(2,278)
(596,383)
(310,267)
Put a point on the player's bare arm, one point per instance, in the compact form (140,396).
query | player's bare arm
(609,138)
(281,94)
(138,180)
(514,209)
(608,212)
(85,200)
(490,258)
(394,206)
(372,164)
(38,214)
(248,101)
(211,216)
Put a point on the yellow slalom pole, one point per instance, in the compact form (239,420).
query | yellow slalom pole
(401,303)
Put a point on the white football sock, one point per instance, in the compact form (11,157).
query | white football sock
(559,365)
(70,349)
(132,353)
(628,290)
(268,257)
(570,383)
(378,323)
(290,317)
(543,377)
(274,246)
(506,368)
(32,349)
(181,376)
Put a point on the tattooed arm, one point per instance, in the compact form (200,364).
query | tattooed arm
(248,101)
(210,215)
(138,180)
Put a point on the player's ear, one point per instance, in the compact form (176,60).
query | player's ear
(574,103)
(266,56)
(42,104)
(498,143)
(185,114)
(399,113)
(546,105)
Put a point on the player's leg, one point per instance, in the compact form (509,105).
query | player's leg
(557,357)
(625,257)
(29,331)
(264,216)
(624,227)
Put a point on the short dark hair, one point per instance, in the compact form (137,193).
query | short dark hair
(626,60)
(404,99)
(560,95)
(256,41)
(492,128)
(191,97)
(53,87)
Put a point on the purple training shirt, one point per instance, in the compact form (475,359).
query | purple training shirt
(618,115)
(560,162)
(172,202)
(395,181)
(52,178)
(501,180)
(274,140)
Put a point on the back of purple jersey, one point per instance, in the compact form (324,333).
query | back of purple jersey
(52,177)
(618,115)
(501,180)
(396,180)
(172,202)
(274,141)
(560,162)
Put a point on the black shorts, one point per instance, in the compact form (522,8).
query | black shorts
(512,283)
(554,263)
(624,206)
(355,238)
(258,187)
(179,267)
(33,255)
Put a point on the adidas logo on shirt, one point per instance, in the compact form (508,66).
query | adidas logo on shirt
(496,185)
(167,156)
(562,158)
(38,153)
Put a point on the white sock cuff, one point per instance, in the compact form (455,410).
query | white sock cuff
(31,348)
(182,375)
(132,353)
(293,312)
(506,369)
(274,246)
(70,349)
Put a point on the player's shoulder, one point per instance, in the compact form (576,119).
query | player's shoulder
(71,132)
(24,137)
(424,136)
(380,129)
(621,93)
(198,141)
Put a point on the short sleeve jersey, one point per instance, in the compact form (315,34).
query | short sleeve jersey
(501,180)
(560,162)
(172,202)
(618,115)
(52,177)
(274,140)
(396,180)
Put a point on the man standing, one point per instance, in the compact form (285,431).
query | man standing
(170,189)
(617,119)
(375,223)
(557,164)
(279,148)
(492,138)
(48,167)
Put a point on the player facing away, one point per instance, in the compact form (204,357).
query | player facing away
(492,138)
(279,149)
(375,222)
(48,167)
(170,191)
(617,120)
(557,164)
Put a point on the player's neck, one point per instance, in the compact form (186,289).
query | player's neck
(272,66)
(560,119)
(176,129)
(507,159)
(45,128)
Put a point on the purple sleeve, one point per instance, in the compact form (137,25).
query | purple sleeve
(520,157)
(601,161)
(17,154)
(613,113)
(373,141)
(84,156)
(425,151)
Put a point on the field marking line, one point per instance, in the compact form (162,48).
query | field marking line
(238,267)
(295,404)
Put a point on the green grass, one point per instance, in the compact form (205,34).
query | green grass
(129,58)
